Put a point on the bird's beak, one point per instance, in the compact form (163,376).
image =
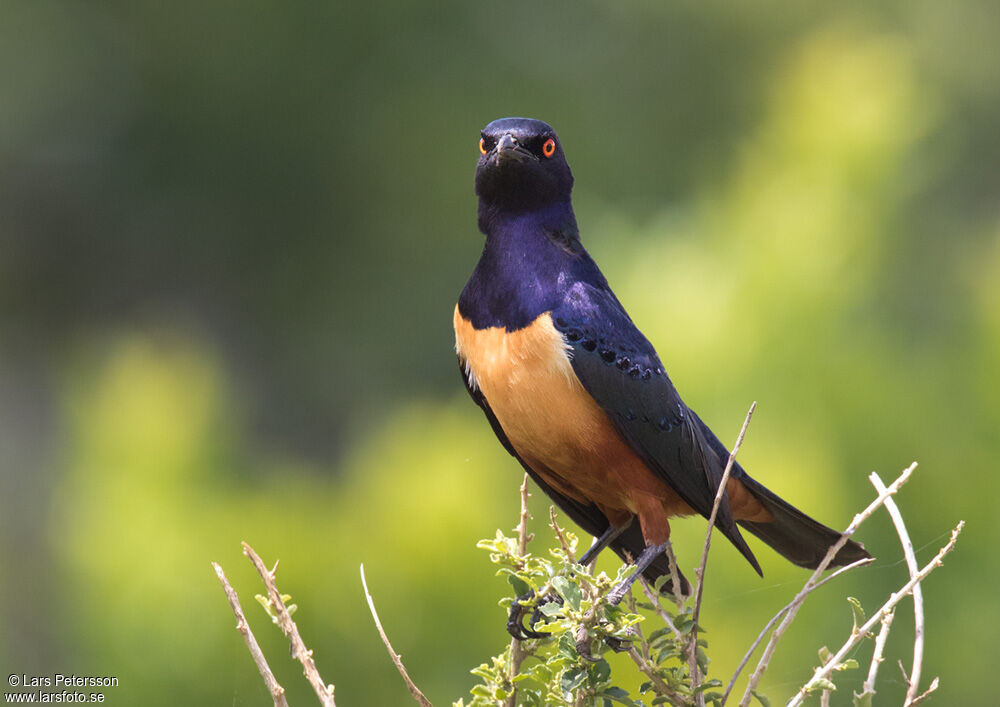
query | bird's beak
(508,148)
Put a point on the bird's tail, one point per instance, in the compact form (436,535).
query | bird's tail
(794,535)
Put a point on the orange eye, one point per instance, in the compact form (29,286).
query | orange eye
(549,148)
(482,145)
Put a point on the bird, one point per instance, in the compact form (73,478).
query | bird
(578,395)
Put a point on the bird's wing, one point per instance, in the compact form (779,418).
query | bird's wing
(620,369)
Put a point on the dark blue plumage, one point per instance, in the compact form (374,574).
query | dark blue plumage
(535,277)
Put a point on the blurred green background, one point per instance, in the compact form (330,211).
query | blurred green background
(232,235)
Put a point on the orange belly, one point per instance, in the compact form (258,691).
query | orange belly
(556,427)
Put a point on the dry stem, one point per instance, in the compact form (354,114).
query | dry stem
(277,691)
(397,659)
(291,631)
(777,617)
(796,603)
(856,636)
(517,652)
(918,596)
(554,524)
(700,572)
(664,616)
(868,688)
(662,688)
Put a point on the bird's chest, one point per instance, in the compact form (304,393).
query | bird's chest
(528,380)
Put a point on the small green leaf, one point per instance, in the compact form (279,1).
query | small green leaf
(520,586)
(660,581)
(619,695)
(824,655)
(551,608)
(849,664)
(665,631)
(859,612)
(760,698)
(567,647)
(572,678)
(568,590)
(601,672)
(483,671)
(822,684)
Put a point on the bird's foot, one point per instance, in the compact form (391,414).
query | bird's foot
(616,595)
(649,554)
(618,645)
(515,620)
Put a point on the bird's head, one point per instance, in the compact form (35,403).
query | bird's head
(521,166)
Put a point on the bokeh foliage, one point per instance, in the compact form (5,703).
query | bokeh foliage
(233,233)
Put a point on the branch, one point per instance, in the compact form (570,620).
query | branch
(662,688)
(291,631)
(554,524)
(856,636)
(277,691)
(700,572)
(918,595)
(396,658)
(868,687)
(516,649)
(658,608)
(777,617)
(926,693)
(796,604)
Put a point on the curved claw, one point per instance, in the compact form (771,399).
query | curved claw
(583,646)
(618,645)
(515,620)
(515,625)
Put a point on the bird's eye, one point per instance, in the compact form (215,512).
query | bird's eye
(482,145)
(549,148)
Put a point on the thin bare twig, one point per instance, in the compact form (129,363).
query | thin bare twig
(276,690)
(777,617)
(926,693)
(868,687)
(397,659)
(700,572)
(913,687)
(517,652)
(554,524)
(291,631)
(796,604)
(675,575)
(649,671)
(856,636)
(664,616)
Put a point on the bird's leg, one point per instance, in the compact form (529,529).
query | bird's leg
(641,563)
(515,625)
(606,538)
